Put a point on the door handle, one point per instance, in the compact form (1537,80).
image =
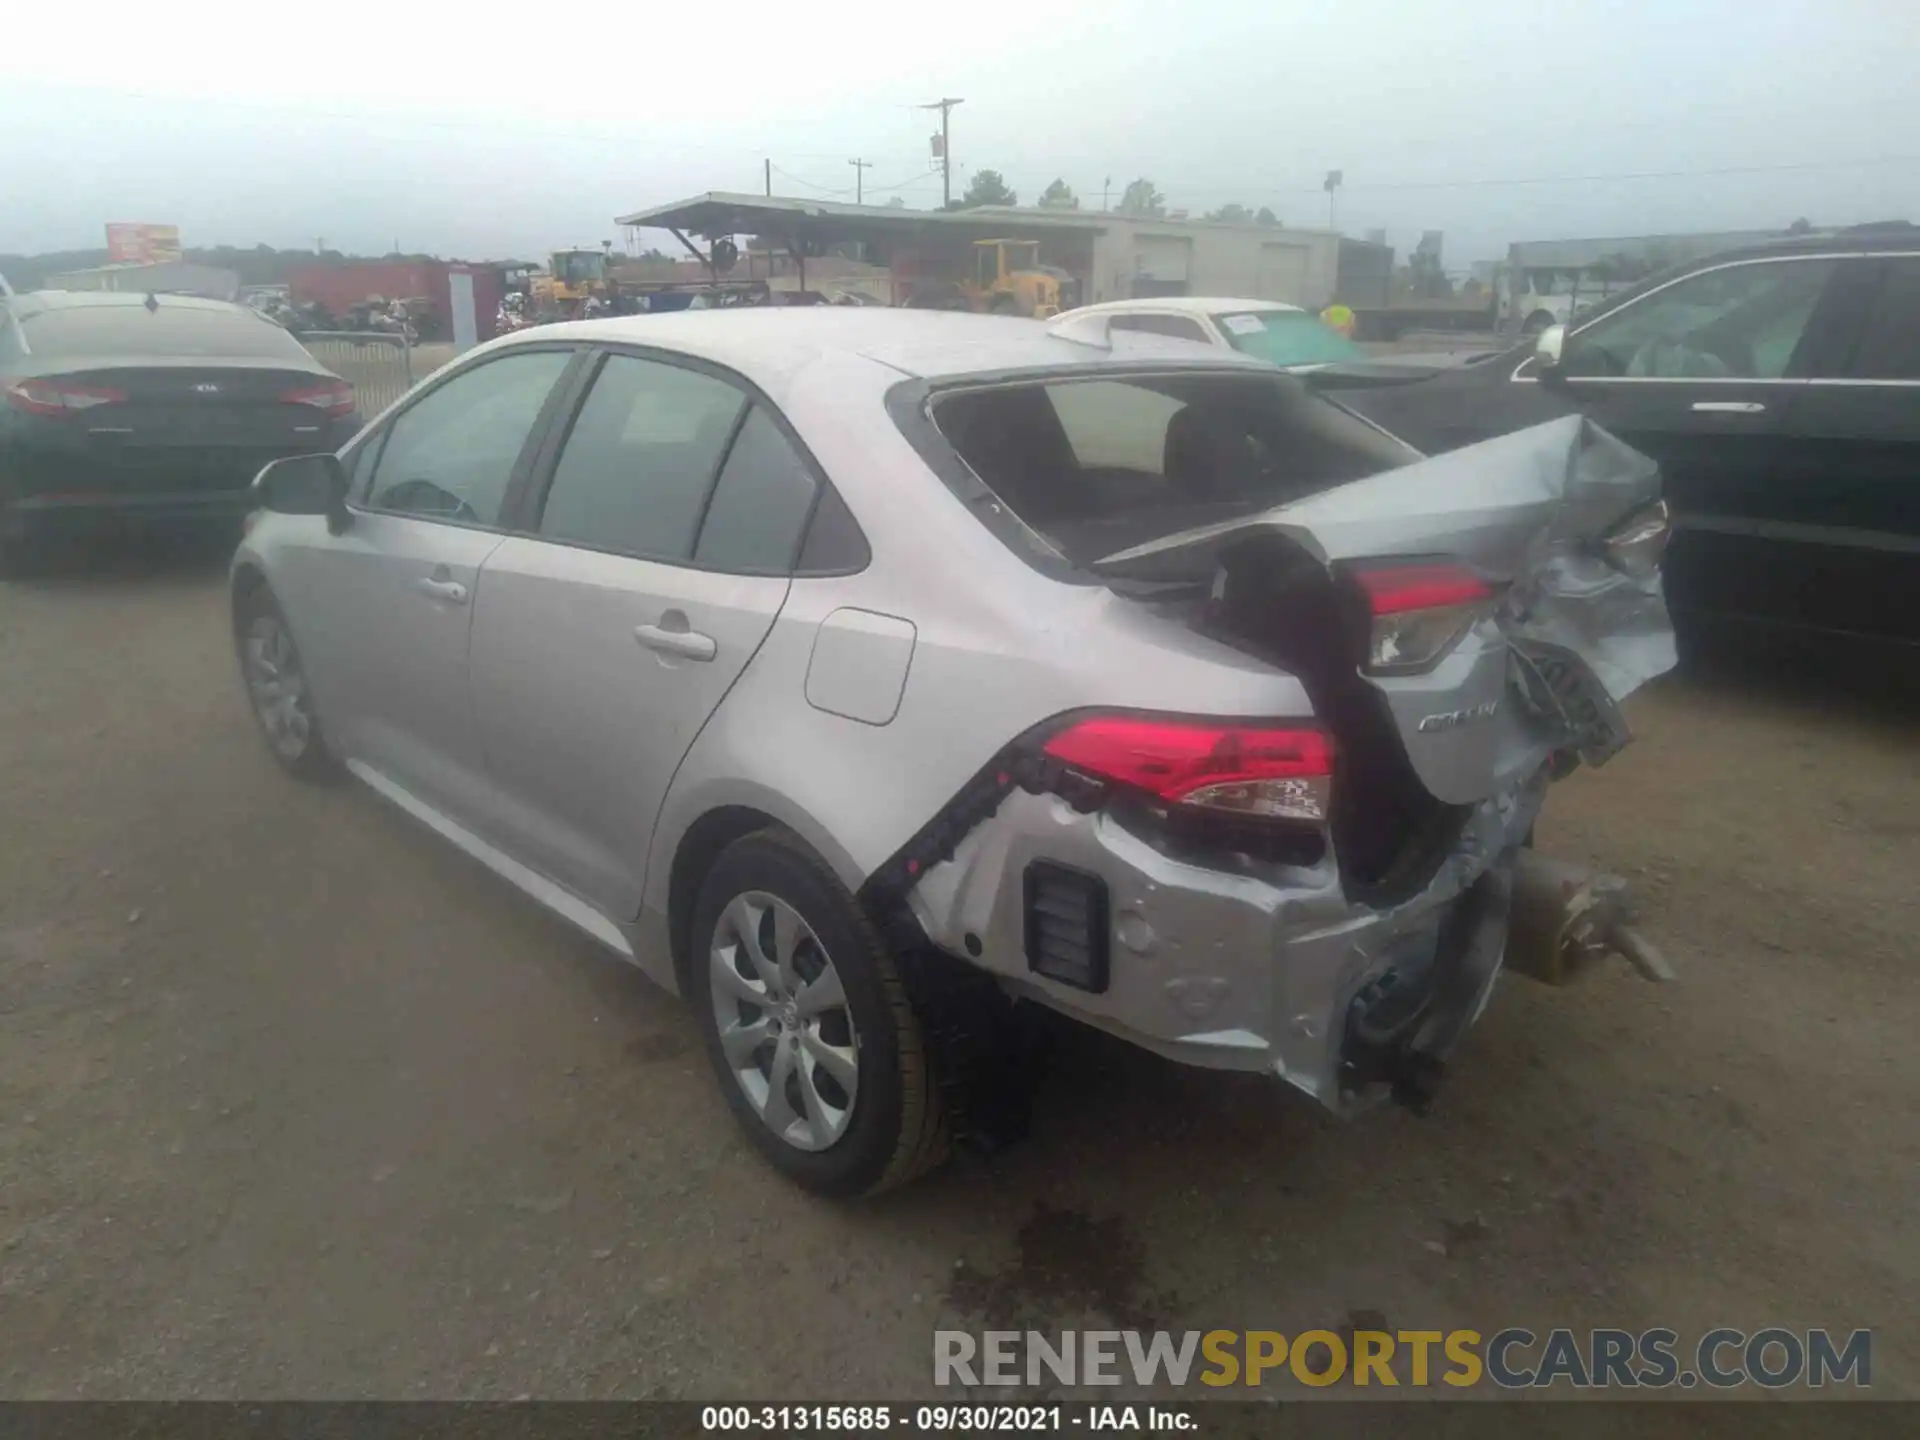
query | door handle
(1728,407)
(452,591)
(688,644)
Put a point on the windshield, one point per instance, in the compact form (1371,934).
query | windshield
(1023,257)
(1287,337)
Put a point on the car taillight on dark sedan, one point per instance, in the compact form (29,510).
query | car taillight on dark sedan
(58,397)
(333,398)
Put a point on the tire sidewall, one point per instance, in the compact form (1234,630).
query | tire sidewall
(856,1161)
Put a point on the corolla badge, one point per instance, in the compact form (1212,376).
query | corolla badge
(206,387)
(1454,719)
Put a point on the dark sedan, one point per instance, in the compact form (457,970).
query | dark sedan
(1779,389)
(124,407)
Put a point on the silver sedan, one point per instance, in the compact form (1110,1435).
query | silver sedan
(866,676)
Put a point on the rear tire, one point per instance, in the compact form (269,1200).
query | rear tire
(277,689)
(790,979)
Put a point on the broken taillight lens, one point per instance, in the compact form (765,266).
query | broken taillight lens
(1274,772)
(1417,612)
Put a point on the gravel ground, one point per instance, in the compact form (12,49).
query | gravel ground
(296,1101)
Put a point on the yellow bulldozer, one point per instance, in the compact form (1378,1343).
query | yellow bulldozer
(573,277)
(1005,278)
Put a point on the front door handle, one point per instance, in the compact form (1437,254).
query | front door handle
(1728,407)
(688,644)
(452,591)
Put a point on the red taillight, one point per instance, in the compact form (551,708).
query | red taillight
(335,398)
(1273,771)
(1394,589)
(1419,611)
(58,397)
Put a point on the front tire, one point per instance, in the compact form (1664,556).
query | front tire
(277,689)
(816,1048)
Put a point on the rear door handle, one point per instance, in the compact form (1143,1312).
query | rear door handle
(1728,407)
(452,591)
(688,644)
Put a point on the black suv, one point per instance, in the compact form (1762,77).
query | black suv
(1779,388)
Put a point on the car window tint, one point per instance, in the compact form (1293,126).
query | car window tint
(452,453)
(1111,424)
(759,504)
(1890,348)
(640,458)
(1177,326)
(1743,322)
(360,467)
(835,544)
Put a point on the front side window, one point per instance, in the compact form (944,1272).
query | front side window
(640,459)
(1741,322)
(452,454)
(987,262)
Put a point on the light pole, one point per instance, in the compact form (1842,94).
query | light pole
(859,179)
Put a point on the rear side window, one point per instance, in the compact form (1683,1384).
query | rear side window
(1179,327)
(1890,348)
(759,504)
(640,459)
(172,329)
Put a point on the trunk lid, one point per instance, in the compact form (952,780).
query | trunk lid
(178,424)
(1567,636)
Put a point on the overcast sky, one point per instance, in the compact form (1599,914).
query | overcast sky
(517,129)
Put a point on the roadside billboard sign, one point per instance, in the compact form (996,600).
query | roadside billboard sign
(129,243)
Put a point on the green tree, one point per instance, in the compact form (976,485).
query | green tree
(897,203)
(1059,196)
(1266,217)
(1231,215)
(987,188)
(1141,198)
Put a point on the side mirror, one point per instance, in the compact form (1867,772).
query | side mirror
(1547,348)
(305,485)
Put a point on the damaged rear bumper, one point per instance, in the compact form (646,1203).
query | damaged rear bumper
(1268,968)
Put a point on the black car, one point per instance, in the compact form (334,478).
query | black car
(1779,389)
(158,408)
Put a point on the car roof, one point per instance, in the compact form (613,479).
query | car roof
(1865,239)
(772,344)
(1184,305)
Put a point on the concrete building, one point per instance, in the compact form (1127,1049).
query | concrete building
(1111,256)
(171,277)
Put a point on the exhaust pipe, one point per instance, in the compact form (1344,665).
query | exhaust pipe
(1566,918)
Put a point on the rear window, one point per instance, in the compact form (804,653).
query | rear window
(1094,464)
(169,330)
(1287,337)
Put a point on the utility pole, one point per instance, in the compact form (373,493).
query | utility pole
(860,168)
(945,106)
(1335,179)
(769,174)
(1105,185)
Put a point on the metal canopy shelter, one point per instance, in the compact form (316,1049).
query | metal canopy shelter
(802,224)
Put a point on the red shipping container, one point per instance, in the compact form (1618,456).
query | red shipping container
(341,287)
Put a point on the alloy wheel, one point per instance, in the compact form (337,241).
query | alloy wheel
(278,687)
(784,1025)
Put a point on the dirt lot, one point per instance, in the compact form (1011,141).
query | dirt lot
(294,1100)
